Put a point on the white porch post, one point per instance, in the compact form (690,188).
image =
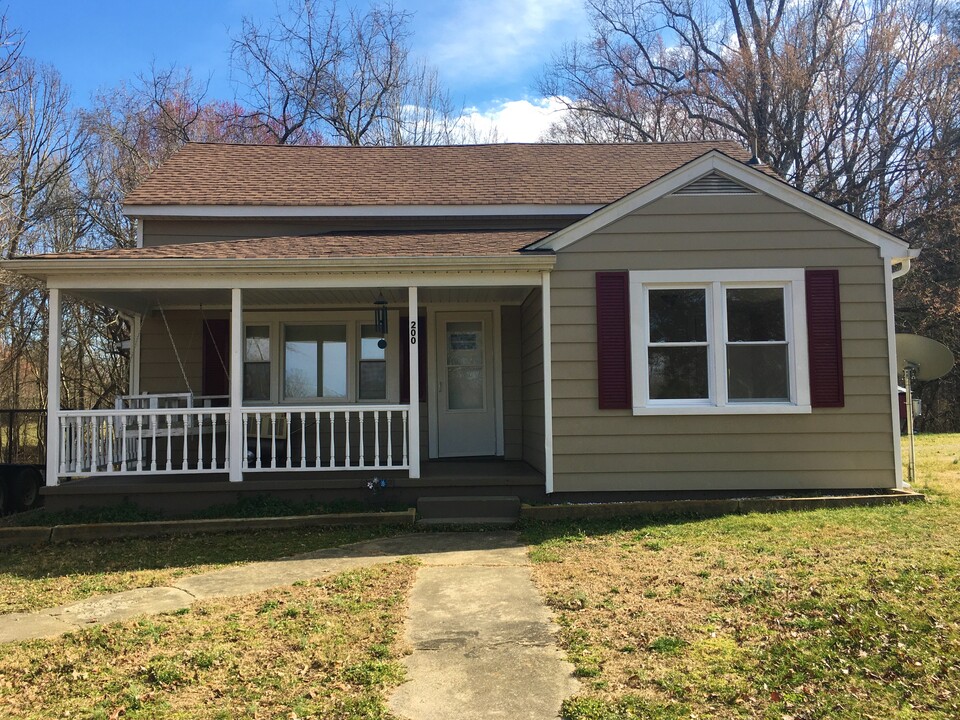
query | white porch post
(547,384)
(413,425)
(53,390)
(237,431)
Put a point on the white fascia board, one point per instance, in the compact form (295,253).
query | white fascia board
(126,274)
(49,267)
(716,161)
(293,211)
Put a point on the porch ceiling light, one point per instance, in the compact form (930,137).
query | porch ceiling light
(380,318)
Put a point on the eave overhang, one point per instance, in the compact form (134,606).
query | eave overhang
(125,273)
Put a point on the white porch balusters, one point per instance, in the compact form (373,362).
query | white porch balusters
(413,422)
(237,428)
(53,389)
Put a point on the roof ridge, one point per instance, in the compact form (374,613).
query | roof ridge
(360,148)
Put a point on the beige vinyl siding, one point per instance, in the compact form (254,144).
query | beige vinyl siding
(171,231)
(532,373)
(511,351)
(613,450)
(159,369)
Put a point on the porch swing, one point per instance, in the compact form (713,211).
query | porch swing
(272,433)
(179,400)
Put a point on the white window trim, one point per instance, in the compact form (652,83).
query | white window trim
(352,320)
(351,340)
(716,282)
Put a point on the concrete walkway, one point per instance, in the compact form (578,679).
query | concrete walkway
(232,581)
(482,641)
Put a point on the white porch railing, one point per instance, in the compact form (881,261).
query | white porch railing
(342,437)
(143,442)
(176,439)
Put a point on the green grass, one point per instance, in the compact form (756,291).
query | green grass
(846,613)
(324,649)
(32,578)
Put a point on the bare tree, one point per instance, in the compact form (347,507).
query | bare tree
(855,101)
(345,74)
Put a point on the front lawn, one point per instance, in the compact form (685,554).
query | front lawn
(851,613)
(32,578)
(324,649)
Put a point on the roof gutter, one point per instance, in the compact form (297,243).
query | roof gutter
(301,211)
(904,262)
(45,267)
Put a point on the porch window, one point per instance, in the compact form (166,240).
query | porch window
(315,362)
(256,363)
(373,365)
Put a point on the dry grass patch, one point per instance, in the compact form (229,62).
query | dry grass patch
(32,578)
(324,649)
(851,613)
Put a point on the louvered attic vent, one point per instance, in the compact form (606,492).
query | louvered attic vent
(714,184)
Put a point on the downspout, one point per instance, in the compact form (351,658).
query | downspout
(904,267)
(904,263)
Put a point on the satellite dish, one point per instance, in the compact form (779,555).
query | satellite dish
(928,358)
(920,358)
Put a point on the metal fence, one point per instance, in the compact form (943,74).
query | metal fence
(23,436)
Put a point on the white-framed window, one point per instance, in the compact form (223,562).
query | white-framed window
(318,357)
(372,371)
(719,341)
(315,361)
(256,362)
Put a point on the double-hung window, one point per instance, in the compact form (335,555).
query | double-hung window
(719,341)
(316,358)
(256,363)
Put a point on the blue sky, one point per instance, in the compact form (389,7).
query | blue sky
(488,52)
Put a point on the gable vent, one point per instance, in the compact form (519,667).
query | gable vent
(714,184)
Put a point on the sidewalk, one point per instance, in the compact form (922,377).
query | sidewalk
(232,581)
(482,639)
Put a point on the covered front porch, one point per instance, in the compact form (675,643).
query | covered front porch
(288,376)
(184,494)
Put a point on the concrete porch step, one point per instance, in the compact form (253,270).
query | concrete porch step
(468,510)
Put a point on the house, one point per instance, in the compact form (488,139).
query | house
(557,322)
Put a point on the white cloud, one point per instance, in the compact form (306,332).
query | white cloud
(497,37)
(514,120)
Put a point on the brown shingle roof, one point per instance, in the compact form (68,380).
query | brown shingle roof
(505,174)
(332,245)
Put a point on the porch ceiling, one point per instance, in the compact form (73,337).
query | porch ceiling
(142,301)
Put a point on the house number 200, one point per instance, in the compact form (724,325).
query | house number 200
(413,332)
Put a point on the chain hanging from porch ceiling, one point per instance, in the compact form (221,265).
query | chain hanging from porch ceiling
(213,341)
(173,344)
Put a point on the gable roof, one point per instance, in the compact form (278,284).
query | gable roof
(716,162)
(211,175)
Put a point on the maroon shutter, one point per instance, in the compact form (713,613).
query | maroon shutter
(613,341)
(823,338)
(405,357)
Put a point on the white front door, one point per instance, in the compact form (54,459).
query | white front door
(466,401)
